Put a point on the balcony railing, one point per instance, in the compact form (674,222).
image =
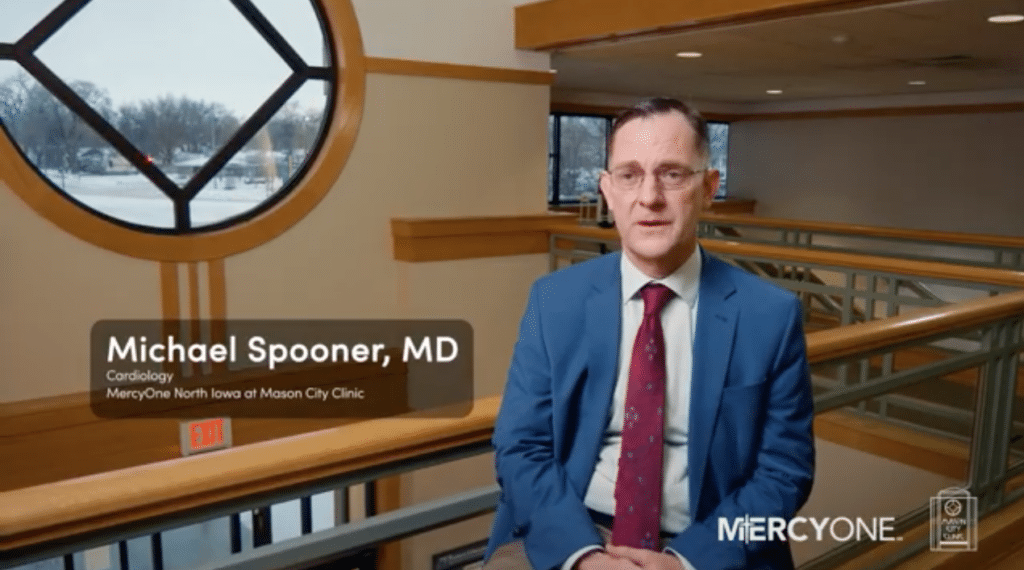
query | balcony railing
(860,368)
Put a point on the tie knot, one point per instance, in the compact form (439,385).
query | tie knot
(655,296)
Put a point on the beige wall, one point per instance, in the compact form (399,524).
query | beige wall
(956,172)
(54,287)
(472,32)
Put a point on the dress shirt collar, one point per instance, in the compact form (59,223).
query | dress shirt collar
(683,281)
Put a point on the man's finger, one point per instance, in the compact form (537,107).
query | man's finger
(638,555)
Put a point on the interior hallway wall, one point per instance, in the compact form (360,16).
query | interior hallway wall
(952,172)
(426,146)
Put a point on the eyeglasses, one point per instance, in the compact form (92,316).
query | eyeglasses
(629,178)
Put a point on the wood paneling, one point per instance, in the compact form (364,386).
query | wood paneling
(611,111)
(559,23)
(457,71)
(924,110)
(37,431)
(437,239)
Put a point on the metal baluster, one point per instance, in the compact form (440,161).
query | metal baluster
(887,358)
(865,364)
(370,488)
(69,562)
(157,548)
(306,514)
(341,515)
(261,527)
(122,550)
(235,528)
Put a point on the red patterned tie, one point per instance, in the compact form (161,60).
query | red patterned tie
(638,484)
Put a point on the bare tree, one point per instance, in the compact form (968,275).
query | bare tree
(50,134)
(163,126)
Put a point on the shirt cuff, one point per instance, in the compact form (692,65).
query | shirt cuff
(572,560)
(686,563)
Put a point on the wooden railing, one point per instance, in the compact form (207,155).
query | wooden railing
(435,239)
(80,511)
(87,505)
(984,250)
(796,255)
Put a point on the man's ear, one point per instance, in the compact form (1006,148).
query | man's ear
(602,184)
(711,179)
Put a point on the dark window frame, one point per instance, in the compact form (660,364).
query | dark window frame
(554,152)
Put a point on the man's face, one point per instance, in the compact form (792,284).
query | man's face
(657,222)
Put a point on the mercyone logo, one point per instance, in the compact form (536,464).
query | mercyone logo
(840,529)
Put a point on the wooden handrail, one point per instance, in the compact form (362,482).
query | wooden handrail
(474,225)
(864,337)
(790,254)
(956,238)
(35,515)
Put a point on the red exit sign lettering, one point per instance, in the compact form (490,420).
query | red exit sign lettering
(198,436)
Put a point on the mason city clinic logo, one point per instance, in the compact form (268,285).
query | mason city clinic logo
(954,521)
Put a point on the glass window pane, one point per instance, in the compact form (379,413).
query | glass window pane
(151,50)
(295,20)
(719,135)
(551,179)
(73,157)
(268,163)
(177,79)
(551,134)
(287,521)
(20,15)
(196,545)
(581,155)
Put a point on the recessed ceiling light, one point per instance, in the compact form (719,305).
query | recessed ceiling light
(689,54)
(774,91)
(917,82)
(1006,18)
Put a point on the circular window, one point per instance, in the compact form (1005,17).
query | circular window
(177,130)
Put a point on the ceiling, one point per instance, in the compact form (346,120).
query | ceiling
(948,44)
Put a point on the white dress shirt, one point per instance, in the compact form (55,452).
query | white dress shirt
(678,321)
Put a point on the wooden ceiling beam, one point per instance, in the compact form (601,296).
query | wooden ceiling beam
(551,24)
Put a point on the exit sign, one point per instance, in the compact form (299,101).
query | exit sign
(198,436)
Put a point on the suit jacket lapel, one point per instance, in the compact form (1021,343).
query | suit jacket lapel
(712,346)
(603,324)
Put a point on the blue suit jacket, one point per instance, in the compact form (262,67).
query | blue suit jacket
(751,449)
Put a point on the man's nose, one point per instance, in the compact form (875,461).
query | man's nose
(650,192)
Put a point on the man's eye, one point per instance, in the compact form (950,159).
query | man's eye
(628,176)
(674,174)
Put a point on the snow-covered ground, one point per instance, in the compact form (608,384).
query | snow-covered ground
(133,198)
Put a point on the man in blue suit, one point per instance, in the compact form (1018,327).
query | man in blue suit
(734,408)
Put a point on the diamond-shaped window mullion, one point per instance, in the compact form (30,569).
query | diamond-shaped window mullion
(49,25)
(243,135)
(67,95)
(271,35)
(24,52)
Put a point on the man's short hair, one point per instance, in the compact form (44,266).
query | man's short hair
(661,106)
